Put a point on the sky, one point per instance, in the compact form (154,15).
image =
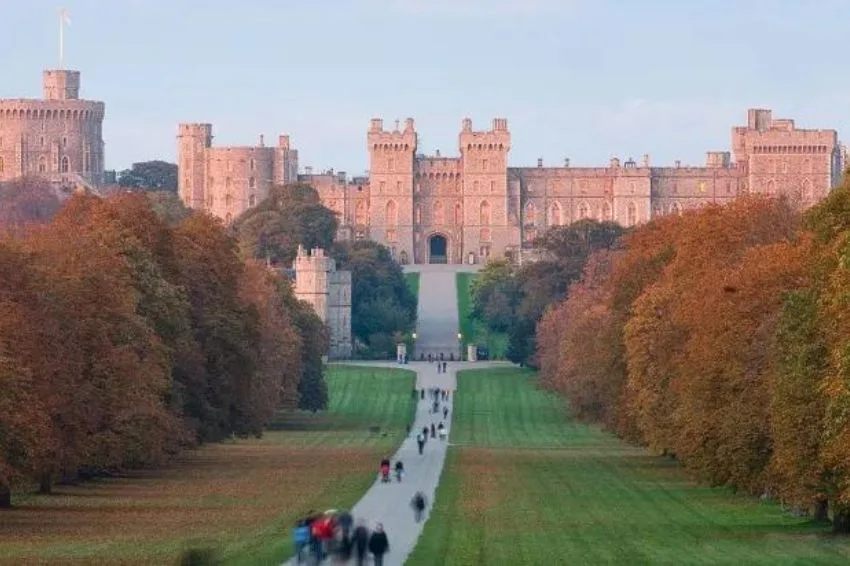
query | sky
(584,79)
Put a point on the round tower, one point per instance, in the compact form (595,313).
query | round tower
(59,137)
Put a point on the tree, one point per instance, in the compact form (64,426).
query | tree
(381,302)
(495,295)
(27,200)
(292,215)
(150,176)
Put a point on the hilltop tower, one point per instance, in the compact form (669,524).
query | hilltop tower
(329,292)
(192,142)
(58,137)
(484,166)
(391,166)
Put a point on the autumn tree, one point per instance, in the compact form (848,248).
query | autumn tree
(27,200)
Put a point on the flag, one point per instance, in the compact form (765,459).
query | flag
(63,14)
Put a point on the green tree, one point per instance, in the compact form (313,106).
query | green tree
(150,176)
(292,215)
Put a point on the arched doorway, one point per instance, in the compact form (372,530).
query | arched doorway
(438,249)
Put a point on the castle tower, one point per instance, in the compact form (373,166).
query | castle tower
(192,143)
(58,137)
(391,167)
(329,292)
(484,163)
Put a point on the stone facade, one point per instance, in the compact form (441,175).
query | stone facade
(58,137)
(329,291)
(469,207)
(226,181)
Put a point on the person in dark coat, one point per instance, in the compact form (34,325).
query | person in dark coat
(379,545)
(418,504)
(360,540)
(433,431)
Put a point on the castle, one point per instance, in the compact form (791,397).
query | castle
(473,206)
(58,137)
(329,292)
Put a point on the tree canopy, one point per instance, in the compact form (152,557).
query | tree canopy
(150,176)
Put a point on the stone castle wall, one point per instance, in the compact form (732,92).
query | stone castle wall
(58,137)
(329,292)
(227,181)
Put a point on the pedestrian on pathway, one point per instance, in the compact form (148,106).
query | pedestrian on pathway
(444,367)
(379,545)
(418,504)
(360,539)
(420,441)
(433,431)
(445,412)
(425,432)
(345,522)
(436,407)
(422,394)
(301,538)
(442,430)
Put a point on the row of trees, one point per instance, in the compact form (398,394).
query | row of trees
(721,337)
(512,299)
(125,338)
(383,307)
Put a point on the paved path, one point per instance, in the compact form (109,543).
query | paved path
(437,319)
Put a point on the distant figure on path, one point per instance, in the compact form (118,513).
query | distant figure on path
(379,545)
(444,369)
(418,504)
(420,441)
(445,412)
(345,522)
(442,431)
(301,538)
(399,470)
(433,431)
(360,539)
(425,432)
(422,394)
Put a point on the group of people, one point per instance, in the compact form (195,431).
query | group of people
(333,534)
(385,470)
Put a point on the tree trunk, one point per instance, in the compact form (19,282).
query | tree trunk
(45,483)
(822,511)
(5,497)
(841,522)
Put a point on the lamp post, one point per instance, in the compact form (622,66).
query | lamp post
(460,346)
(413,346)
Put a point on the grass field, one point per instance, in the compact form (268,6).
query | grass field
(239,498)
(472,330)
(525,485)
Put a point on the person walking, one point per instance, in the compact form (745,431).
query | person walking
(420,442)
(360,540)
(379,545)
(441,430)
(433,431)
(418,504)
(301,538)
(445,413)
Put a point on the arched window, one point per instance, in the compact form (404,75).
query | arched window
(458,214)
(484,213)
(606,212)
(42,164)
(361,213)
(631,214)
(252,164)
(530,214)
(64,165)
(555,214)
(392,213)
(252,183)
(583,211)
(438,213)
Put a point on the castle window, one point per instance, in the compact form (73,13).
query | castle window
(784,167)
(484,213)
(631,212)
(41,141)
(530,214)
(392,213)
(418,214)
(485,251)
(484,164)
(806,192)
(458,214)
(392,236)
(530,234)
(252,200)
(64,165)
(252,183)
(583,211)
(2,165)
(64,142)
(252,164)
(492,186)
(42,164)
(555,216)
(398,187)
(382,187)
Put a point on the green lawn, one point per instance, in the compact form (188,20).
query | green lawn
(238,498)
(526,485)
(472,330)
